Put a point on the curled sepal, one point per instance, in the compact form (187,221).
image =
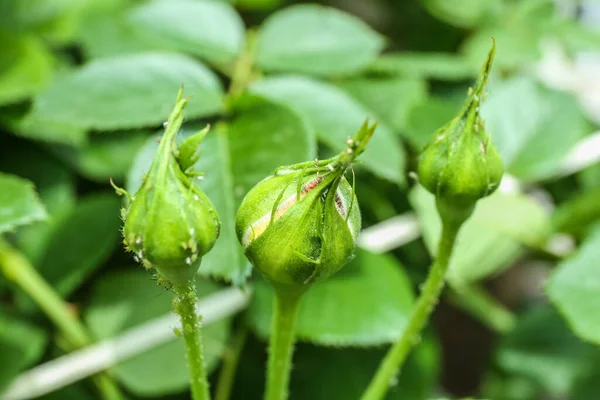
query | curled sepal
(460,165)
(300,225)
(188,151)
(170,223)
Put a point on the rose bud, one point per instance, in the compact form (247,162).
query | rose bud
(170,223)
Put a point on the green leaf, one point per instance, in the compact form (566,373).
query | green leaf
(335,117)
(19,203)
(127,298)
(441,66)
(107,33)
(513,112)
(209,29)
(519,33)
(313,39)
(25,67)
(465,13)
(21,344)
(354,368)
(542,348)
(129,92)
(72,392)
(587,387)
(34,14)
(428,116)
(80,242)
(56,187)
(366,303)
(33,127)
(259,5)
(107,155)
(562,128)
(274,136)
(342,373)
(491,239)
(532,127)
(389,99)
(573,288)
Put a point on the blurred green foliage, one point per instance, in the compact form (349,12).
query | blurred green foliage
(85,86)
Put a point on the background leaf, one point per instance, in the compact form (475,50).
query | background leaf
(33,127)
(56,187)
(557,134)
(129,92)
(19,203)
(209,29)
(108,33)
(124,299)
(573,287)
(354,367)
(335,117)
(490,239)
(465,13)
(533,127)
(21,344)
(431,65)
(80,242)
(25,67)
(427,117)
(313,39)
(389,99)
(542,348)
(366,303)
(106,155)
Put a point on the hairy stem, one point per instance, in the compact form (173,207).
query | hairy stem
(281,346)
(391,364)
(231,358)
(185,306)
(18,269)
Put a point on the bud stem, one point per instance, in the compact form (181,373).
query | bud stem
(397,354)
(185,306)
(281,346)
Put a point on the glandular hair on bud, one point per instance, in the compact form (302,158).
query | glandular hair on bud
(300,225)
(170,223)
(460,165)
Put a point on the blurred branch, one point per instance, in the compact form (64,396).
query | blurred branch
(390,234)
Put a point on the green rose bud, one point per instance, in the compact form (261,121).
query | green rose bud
(169,222)
(300,225)
(461,165)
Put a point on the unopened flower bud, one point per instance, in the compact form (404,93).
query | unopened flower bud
(300,225)
(170,223)
(461,165)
